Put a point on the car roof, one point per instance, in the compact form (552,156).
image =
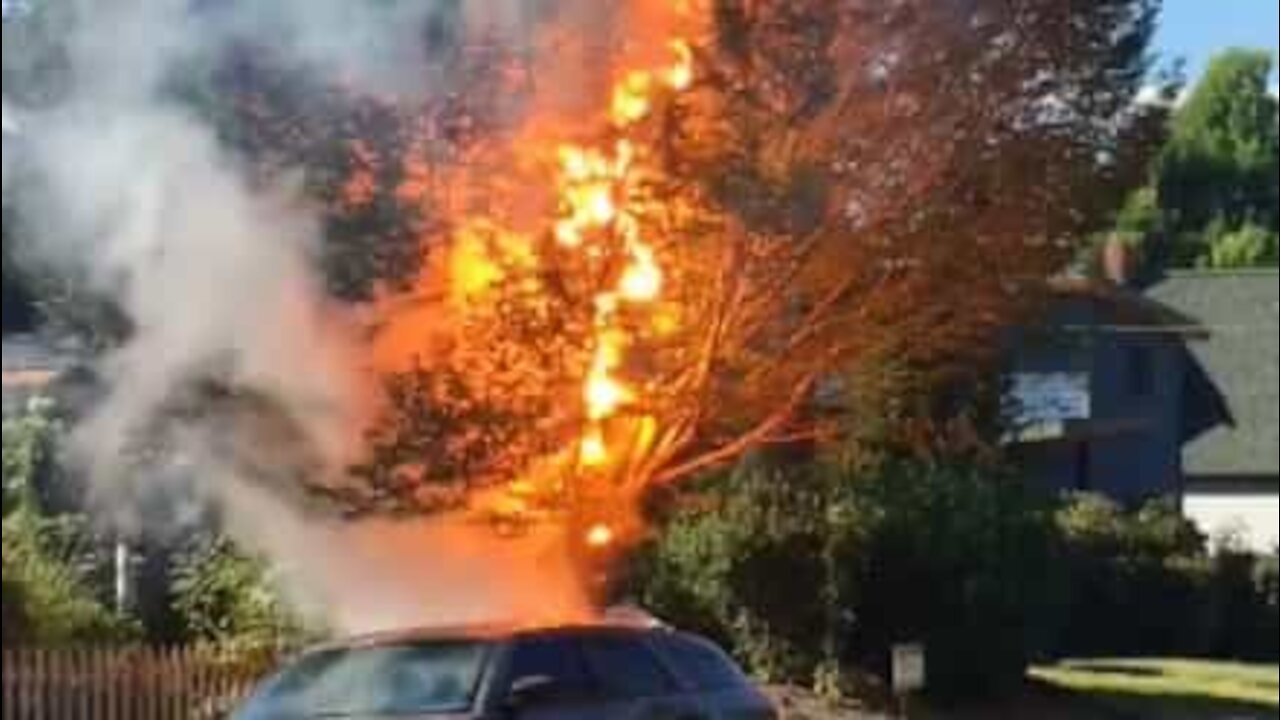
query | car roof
(493,633)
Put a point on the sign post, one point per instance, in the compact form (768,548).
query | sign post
(909,673)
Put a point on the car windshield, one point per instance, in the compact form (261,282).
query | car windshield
(396,680)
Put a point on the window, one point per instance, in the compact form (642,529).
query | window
(1084,467)
(382,681)
(700,663)
(626,668)
(1141,372)
(557,659)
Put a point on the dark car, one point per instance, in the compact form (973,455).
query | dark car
(578,673)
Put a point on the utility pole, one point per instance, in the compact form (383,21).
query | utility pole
(123,577)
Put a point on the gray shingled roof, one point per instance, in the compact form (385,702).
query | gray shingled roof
(30,366)
(27,353)
(1241,312)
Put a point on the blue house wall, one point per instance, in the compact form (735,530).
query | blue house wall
(1130,446)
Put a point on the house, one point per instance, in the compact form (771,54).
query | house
(30,369)
(1169,391)
(1098,389)
(1231,457)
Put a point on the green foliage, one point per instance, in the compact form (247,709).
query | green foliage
(47,562)
(1218,177)
(1246,247)
(1269,579)
(1268,584)
(1140,216)
(1145,583)
(808,568)
(1214,200)
(1131,578)
(1221,161)
(226,596)
(802,569)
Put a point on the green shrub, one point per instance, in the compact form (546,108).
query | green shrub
(1235,611)
(1267,592)
(47,561)
(1131,580)
(1246,247)
(224,595)
(805,569)
(718,570)
(1146,583)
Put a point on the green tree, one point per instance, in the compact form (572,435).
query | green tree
(47,561)
(1220,165)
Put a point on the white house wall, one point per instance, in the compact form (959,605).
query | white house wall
(1255,517)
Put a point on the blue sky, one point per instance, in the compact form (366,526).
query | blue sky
(1196,29)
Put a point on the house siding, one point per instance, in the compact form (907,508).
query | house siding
(1137,446)
(1129,448)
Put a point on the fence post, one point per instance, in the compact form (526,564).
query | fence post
(37,709)
(53,686)
(95,694)
(174,683)
(172,667)
(150,684)
(114,682)
(106,686)
(9,669)
(186,674)
(138,687)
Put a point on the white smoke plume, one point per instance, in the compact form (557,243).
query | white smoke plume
(214,270)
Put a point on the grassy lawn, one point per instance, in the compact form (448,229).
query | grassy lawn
(1100,690)
(1166,689)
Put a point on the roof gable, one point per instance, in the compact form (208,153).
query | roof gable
(1240,311)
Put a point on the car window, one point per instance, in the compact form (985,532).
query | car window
(626,668)
(383,681)
(700,663)
(558,659)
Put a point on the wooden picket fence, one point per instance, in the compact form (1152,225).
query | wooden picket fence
(190,683)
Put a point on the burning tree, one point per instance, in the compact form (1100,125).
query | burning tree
(760,196)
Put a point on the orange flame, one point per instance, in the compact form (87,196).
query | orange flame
(594,191)
(600,536)
(598,216)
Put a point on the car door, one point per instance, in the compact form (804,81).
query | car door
(557,659)
(723,691)
(634,682)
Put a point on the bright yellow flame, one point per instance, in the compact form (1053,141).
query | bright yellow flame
(601,207)
(606,306)
(605,396)
(594,452)
(600,536)
(666,321)
(568,234)
(642,281)
(631,101)
(680,75)
(599,217)
(574,164)
(481,257)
